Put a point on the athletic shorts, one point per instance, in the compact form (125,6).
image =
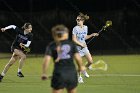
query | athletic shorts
(66,79)
(82,51)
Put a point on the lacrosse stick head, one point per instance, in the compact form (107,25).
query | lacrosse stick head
(100,65)
(108,23)
(26,49)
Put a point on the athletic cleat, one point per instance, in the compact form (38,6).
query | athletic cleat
(90,67)
(80,80)
(19,74)
(1,77)
(85,73)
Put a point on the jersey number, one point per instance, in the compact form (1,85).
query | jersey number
(82,37)
(65,51)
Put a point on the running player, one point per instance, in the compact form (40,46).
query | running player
(63,51)
(79,36)
(19,46)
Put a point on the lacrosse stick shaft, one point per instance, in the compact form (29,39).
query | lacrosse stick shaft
(94,37)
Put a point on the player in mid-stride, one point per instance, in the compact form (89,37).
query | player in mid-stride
(63,51)
(19,47)
(80,34)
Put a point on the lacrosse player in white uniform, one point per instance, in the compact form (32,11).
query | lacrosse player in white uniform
(80,34)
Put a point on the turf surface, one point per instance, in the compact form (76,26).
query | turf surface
(122,76)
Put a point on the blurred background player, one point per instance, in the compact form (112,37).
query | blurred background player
(63,51)
(18,48)
(79,36)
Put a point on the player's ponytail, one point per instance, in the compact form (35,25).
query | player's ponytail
(26,25)
(83,17)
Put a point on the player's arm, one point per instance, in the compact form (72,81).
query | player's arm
(28,42)
(25,45)
(78,59)
(77,42)
(46,62)
(8,27)
(45,66)
(91,35)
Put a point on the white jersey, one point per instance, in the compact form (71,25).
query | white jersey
(80,33)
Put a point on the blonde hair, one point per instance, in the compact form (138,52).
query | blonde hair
(84,17)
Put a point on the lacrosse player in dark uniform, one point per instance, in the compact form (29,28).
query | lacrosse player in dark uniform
(63,51)
(19,48)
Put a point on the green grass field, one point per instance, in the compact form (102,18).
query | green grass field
(122,76)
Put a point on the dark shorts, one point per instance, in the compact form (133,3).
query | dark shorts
(13,47)
(64,79)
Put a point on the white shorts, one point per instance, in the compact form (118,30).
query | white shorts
(82,51)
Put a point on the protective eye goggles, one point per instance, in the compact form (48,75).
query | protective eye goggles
(59,33)
(79,19)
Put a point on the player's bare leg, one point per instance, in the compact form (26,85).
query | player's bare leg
(72,90)
(80,78)
(57,91)
(21,61)
(90,60)
(8,65)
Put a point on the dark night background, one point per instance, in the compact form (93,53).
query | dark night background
(122,38)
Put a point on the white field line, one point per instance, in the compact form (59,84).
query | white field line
(94,75)
(91,75)
(116,75)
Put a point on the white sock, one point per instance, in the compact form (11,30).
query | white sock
(2,74)
(85,73)
(19,70)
